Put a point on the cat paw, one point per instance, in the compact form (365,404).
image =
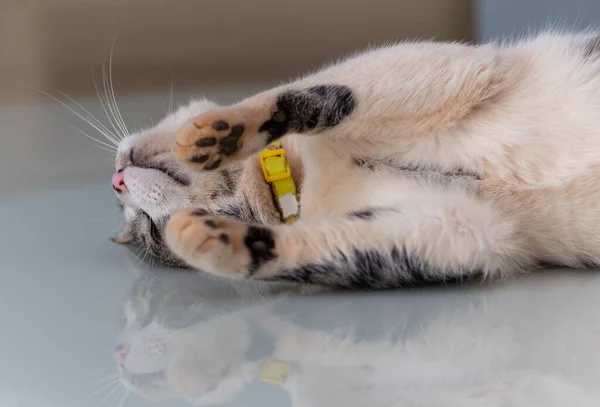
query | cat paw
(219,245)
(219,137)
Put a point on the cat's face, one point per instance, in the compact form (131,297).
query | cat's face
(151,186)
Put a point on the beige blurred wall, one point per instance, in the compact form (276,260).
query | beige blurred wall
(61,43)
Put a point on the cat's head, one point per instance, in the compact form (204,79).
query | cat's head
(151,186)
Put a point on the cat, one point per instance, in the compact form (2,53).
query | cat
(510,344)
(414,163)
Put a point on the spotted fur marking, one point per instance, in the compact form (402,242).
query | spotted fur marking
(369,213)
(261,243)
(592,48)
(315,108)
(367,269)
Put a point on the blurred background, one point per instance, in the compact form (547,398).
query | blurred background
(163,52)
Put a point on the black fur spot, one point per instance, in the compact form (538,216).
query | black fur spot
(260,243)
(220,125)
(224,238)
(592,48)
(369,213)
(215,164)
(459,172)
(240,211)
(363,214)
(414,168)
(227,185)
(229,144)
(369,269)
(206,142)
(199,159)
(200,212)
(315,108)
(211,224)
(362,163)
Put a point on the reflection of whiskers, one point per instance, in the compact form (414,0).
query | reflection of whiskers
(114,389)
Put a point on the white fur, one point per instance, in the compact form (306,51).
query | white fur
(524,118)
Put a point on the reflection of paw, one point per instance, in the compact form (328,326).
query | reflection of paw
(219,245)
(216,138)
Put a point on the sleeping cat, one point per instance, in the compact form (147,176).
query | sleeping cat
(414,163)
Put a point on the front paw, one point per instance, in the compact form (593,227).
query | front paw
(220,245)
(219,137)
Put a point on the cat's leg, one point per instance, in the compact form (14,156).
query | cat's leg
(374,248)
(232,133)
(393,94)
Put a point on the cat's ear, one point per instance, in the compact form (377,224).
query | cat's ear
(125,236)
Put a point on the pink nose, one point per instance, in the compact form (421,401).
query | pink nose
(119,354)
(118,182)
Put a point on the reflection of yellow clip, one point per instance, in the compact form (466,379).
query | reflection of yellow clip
(277,173)
(275,372)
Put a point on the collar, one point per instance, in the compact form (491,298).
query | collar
(276,170)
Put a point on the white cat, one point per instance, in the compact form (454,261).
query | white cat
(415,163)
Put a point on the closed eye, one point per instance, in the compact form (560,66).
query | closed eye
(158,167)
(176,177)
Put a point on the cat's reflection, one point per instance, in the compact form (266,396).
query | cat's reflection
(528,343)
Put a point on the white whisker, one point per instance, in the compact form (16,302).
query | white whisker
(109,377)
(100,143)
(91,120)
(97,124)
(118,386)
(107,103)
(105,387)
(121,402)
(171,98)
(144,258)
(118,116)
(103,102)
(137,263)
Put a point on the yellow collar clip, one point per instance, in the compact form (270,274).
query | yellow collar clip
(277,173)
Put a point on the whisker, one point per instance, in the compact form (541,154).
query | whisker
(113,382)
(119,117)
(109,103)
(104,102)
(171,98)
(105,131)
(121,402)
(118,386)
(109,377)
(87,120)
(100,143)
(140,262)
(144,258)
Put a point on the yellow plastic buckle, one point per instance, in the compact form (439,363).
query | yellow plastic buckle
(277,151)
(275,372)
